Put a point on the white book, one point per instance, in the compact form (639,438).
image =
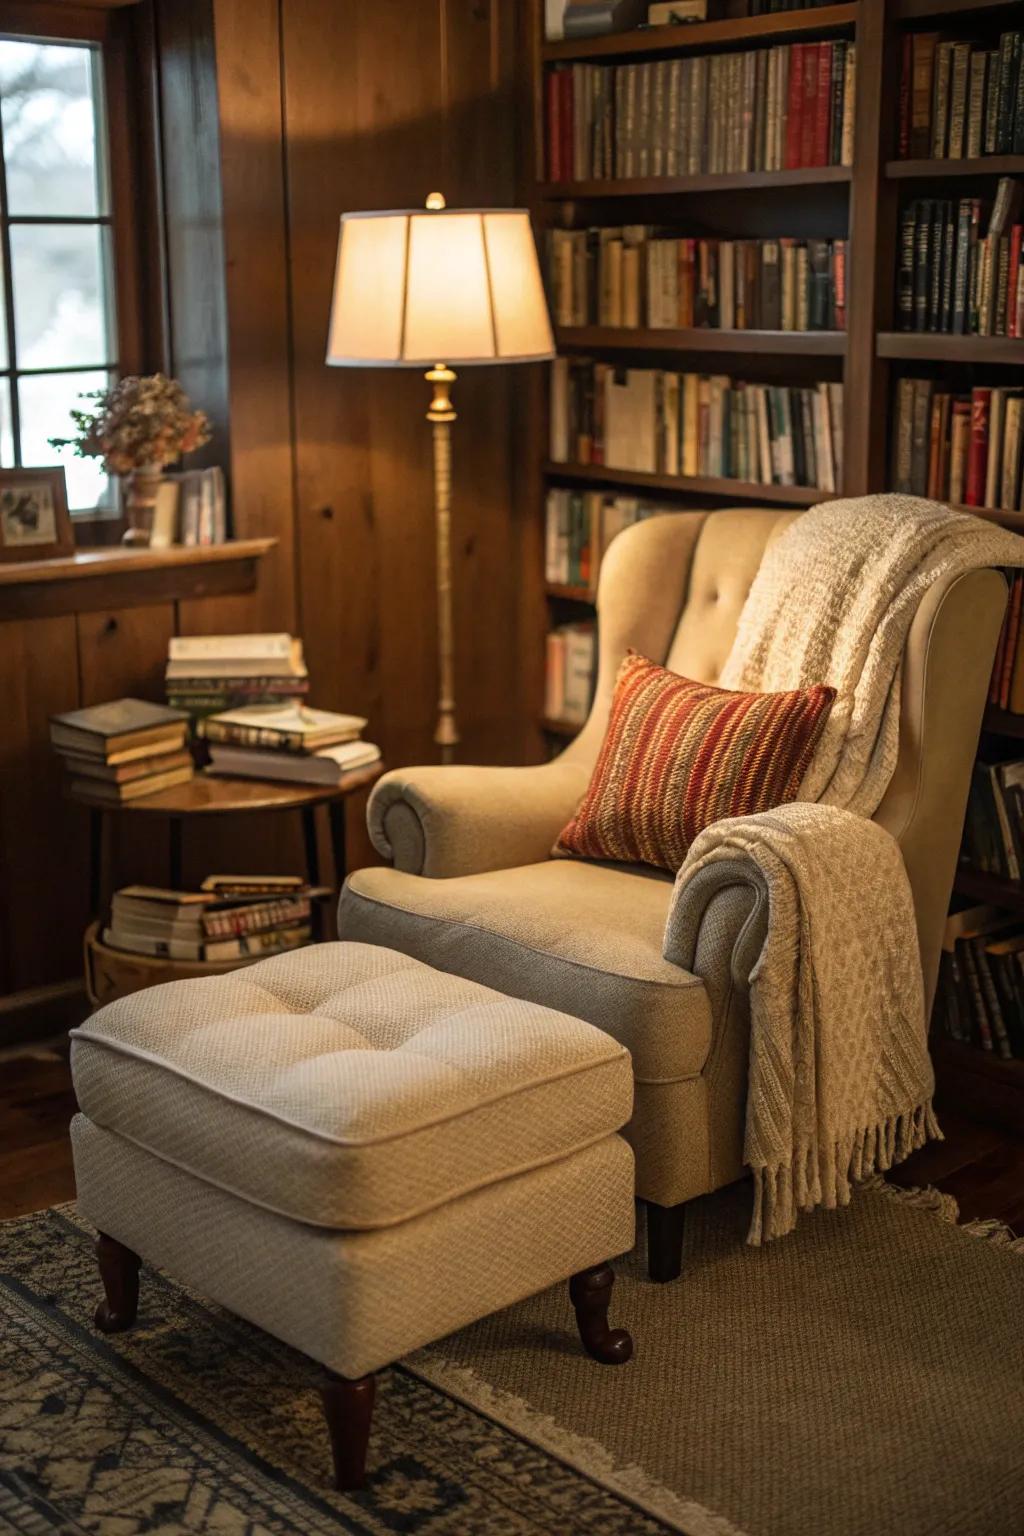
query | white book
(823,440)
(630,421)
(328,766)
(835,413)
(232,647)
(579,668)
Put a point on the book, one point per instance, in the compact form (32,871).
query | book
(967,449)
(266,647)
(284,728)
(327,766)
(241,947)
(960,98)
(119,731)
(134,789)
(127,772)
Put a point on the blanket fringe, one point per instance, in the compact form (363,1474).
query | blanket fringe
(824,1174)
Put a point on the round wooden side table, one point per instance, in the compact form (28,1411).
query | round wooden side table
(211,794)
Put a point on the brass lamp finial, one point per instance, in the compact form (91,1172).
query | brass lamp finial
(436,202)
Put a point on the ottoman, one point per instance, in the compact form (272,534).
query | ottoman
(355,1152)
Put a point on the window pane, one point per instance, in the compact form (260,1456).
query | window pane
(49,123)
(46,402)
(60,291)
(6,426)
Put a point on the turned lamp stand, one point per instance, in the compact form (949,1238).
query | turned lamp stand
(441,415)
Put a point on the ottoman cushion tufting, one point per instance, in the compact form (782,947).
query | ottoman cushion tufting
(347,1086)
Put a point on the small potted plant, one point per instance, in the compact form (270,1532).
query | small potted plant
(136,428)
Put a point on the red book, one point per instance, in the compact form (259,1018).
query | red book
(822,145)
(794,106)
(906,71)
(1012,637)
(553,97)
(809,108)
(977,453)
(1013,315)
(566,136)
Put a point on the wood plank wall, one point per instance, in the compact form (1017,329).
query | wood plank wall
(275,117)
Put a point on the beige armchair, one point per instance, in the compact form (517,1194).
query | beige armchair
(474,890)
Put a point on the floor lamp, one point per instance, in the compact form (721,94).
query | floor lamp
(414,287)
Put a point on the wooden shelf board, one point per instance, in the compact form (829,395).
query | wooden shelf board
(703,339)
(979,1082)
(1002,722)
(1012,520)
(566,728)
(744,490)
(983,165)
(680,186)
(117,577)
(738,30)
(935,346)
(569,594)
(920,10)
(984,887)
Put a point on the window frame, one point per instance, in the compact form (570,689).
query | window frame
(123,34)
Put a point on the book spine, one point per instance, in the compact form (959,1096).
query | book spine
(794,107)
(977,459)
(904,107)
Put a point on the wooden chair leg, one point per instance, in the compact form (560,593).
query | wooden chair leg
(119,1271)
(590,1292)
(665,1241)
(348,1409)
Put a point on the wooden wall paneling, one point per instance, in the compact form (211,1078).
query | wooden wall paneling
(122,654)
(42,836)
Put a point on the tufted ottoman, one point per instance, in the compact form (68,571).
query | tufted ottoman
(357,1153)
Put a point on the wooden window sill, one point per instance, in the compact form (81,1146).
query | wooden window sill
(115,577)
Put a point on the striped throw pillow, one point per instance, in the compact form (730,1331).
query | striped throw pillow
(678,755)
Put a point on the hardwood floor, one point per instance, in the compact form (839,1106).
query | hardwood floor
(981,1167)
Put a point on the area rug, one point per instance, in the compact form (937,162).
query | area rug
(863,1375)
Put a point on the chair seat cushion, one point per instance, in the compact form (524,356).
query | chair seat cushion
(581,937)
(348,1086)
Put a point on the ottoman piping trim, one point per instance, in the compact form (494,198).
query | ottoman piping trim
(574,1069)
(531,949)
(448,1198)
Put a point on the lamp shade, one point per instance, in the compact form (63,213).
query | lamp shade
(414,288)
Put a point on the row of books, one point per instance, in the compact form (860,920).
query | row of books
(959,100)
(964,449)
(634,277)
(657,422)
(570,663)
(231,917)
(122,750)
(589,18)
(980,996)
(191,508)
(1006,688)
(580,525)
(289,742)
(953,279)
(766,109)
(206,673)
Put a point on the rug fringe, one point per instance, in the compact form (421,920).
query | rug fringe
(824,1173)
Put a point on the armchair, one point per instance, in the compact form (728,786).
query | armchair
(473,889)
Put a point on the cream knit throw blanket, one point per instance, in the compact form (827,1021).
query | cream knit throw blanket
(840,1081)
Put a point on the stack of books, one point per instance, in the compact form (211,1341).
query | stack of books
(570,667)
(960,100)
(769,109)
(689,424)
(579,527)
(206,673)
(954,279)
(191,508)
(292,742)
(965,449)
(231,917)
(635,276)
(980,997)
(123,750)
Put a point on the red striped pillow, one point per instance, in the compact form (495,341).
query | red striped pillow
(678,755)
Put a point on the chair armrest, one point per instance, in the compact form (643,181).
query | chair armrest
(723,916)
(451,821)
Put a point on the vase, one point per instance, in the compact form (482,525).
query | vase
(141,488)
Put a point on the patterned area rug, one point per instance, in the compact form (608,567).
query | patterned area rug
(754,1393)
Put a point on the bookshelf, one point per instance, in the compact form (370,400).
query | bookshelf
(861,203)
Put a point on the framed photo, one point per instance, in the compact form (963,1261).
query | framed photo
(34,520)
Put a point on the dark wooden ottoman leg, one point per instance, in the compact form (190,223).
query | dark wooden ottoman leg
(119,1271)
(348,1409)
(590,1292)
(665,1225)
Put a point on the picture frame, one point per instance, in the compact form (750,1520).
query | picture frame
(34,520)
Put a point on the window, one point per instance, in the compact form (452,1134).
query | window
(58,334)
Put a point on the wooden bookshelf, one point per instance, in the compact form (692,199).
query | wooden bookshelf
(980,886)
(984,165)
(687,485)
(606,338)
(941,347)
(755,182)
(705,36)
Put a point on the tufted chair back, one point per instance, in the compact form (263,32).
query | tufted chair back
(673,587)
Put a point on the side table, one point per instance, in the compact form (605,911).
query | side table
(209,795)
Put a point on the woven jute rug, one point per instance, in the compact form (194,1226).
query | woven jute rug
(863,1375)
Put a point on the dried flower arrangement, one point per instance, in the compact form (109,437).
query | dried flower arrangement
(142,423)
